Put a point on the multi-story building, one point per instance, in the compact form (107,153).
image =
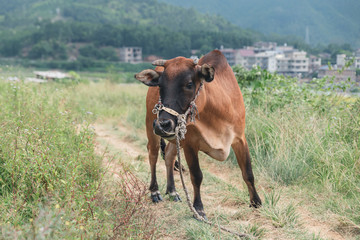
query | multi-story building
(266,60)
(229,53)
(264,46)
(314,63)
(130,54)
(245,57)
(342,60)
(357,62)
(292,63)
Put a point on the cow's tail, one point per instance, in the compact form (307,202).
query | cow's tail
(163,146)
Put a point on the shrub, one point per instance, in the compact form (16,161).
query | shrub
(48,50)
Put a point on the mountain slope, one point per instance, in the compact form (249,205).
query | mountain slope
(140,12)
(329,21)
(34,28)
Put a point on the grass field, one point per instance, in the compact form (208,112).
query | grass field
(74,165)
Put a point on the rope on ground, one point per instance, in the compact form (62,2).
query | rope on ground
(179,131)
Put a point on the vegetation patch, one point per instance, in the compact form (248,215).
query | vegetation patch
(52,184)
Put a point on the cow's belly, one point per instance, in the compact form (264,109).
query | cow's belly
(215,142)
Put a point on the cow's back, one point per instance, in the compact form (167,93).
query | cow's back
(223,94)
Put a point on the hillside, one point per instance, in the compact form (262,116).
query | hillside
(23,13)
(329,21)
(54,29)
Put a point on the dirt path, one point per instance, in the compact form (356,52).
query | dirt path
(224,195)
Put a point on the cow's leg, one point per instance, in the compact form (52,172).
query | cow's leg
(153,149)
(241,150)
(196,175)
(170,155)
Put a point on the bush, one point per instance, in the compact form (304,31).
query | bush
(105,53)
(48,50)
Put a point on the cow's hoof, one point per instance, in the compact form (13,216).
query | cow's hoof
(156,197)
(256,203)
(202,214)
(174,196)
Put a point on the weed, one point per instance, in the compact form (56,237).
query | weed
(253,229)
(281,216)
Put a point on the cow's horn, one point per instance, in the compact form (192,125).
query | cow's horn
(196,60)
(159,62)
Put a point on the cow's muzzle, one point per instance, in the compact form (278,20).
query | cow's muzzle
(165,128)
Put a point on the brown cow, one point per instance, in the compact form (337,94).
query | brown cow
(221,121)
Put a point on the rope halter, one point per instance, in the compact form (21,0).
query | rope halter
(180,129)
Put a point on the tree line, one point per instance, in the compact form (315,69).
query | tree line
(50,40)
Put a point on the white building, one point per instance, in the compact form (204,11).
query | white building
(342,59)
(357,62)
(264,46)
(245,57)
(292,63)
(314,63)
(266,60)
(130,54)
(229,53)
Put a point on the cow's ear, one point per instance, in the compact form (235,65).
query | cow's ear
(148,77)
(207,72)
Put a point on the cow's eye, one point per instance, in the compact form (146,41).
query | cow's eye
(189,85)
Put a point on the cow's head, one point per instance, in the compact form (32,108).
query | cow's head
(178,83)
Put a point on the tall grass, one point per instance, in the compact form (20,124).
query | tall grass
(305,134)
(122,102)
(52,183)
(43,159)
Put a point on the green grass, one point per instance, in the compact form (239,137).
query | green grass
(318,150)
(52,184)
(45,163)
(280,216)
(305,135)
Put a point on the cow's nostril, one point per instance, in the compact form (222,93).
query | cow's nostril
(167,125)
(164,127)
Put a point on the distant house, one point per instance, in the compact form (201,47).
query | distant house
(314,63)
(357,62)
(342,60)
(245,57)
(264,46)
(130,54)
(339,76)
(229,53)
(292,62)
